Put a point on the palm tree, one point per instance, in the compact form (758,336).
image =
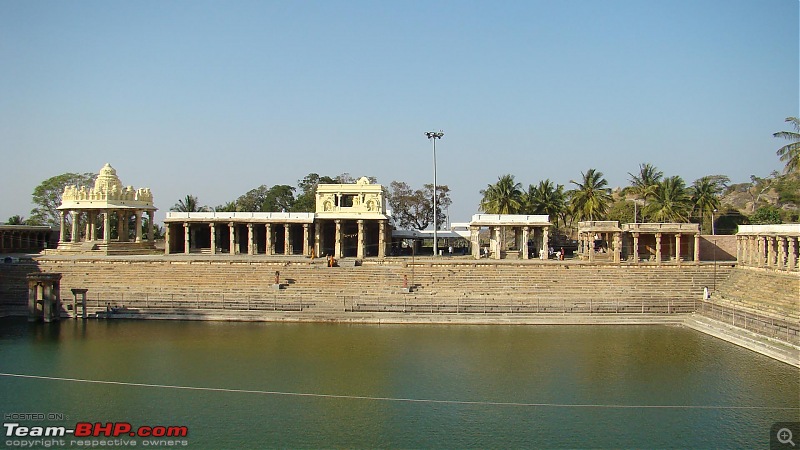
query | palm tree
(790,153)
(704,197)
(643,184)
(188,204)
(503,197)
(591,198)
(670,201)
(546,198)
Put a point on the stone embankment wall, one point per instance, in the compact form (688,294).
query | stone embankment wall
(762,291)
(231,285)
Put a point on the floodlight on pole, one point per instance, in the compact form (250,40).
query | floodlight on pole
(433,136)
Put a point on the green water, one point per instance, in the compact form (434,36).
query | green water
(520,377)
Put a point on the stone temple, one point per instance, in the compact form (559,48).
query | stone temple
(107,218)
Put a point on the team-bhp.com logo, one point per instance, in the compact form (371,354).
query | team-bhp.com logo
(97,429)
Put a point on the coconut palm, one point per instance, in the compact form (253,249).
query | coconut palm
(670,201)
(503,197)
(643,184)
(546,198)
(590,200)
(790,153)
(705,198)
(188,204)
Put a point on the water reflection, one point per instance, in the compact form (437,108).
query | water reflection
(602,365)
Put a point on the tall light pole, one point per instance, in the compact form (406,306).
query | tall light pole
(713,231)
(433,136)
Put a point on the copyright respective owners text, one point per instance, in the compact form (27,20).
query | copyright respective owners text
(55,430)
(783,435)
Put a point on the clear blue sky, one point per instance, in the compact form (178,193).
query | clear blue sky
(216,98)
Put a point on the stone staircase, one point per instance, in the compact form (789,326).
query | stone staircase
(761,292)
(225,286)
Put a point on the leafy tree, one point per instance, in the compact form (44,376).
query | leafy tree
(227,207)
(413,209)
(306,200)
(279,198)
(670,201)
(622,211)
(15,220)
(47,196)
(503,197)
(759,187)
(705,196)
(790,153)
(766,215)
(590,200)
(188,204)
(545,198)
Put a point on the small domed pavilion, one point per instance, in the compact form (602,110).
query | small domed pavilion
(109,199)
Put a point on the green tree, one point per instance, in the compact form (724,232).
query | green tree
(705,197)
(227,207)
(545,198)
(47,196)
(766,215)
(590,200)
(503,197)
(306,199)
(644,183)
(279,198)
(790,153)
(188,204)
(670,201)
(16,220)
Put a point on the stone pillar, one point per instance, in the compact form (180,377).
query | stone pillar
(617,246)
(771,251)
(474,241)
(232,230)
(138,225)
(658,248)
(270,243)
(696,256)
(287,239)
(337,252)
(360,239)
(213,231)
(382,239)
(75,238)
(167,237)
(590,246)
(792,265)
(781,252)
(62,233)
(93,225)
(739,249)
(306,239)
(526,230)
(250,239)
(497,247)
(33,291)
(678,248)
(151,227)
(186,241)
(760,260)
(635,247)
(122,230)
(318,239)
(545,241)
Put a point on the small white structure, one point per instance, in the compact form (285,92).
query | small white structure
(769,246)
(524,227)
(107,198)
